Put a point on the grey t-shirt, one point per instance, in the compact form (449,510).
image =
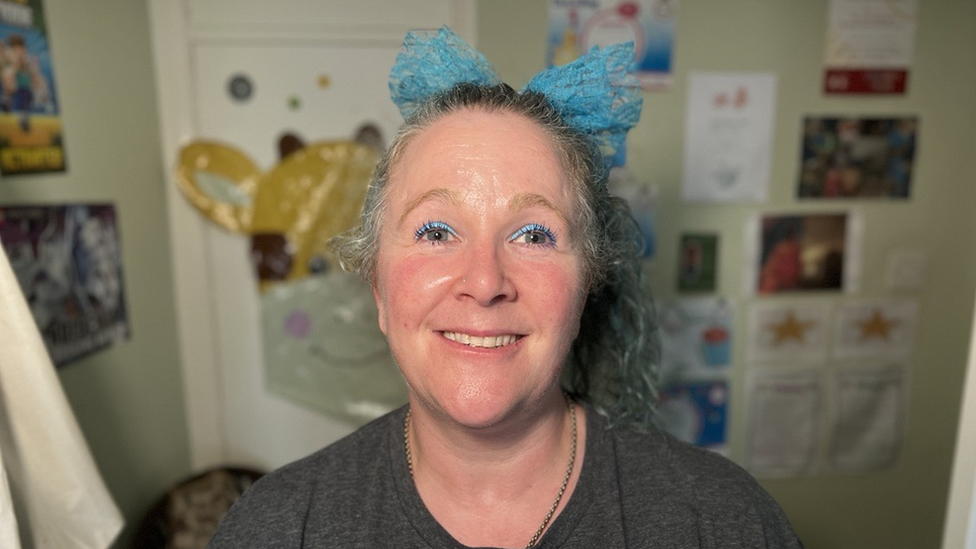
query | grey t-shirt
(636,490)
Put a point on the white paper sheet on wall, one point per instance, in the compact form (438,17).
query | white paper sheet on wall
(729,136)
(785,410)
(868,417)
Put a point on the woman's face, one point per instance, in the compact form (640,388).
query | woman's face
(478,282)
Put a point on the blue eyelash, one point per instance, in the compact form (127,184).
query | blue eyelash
(536,227)
(433,226)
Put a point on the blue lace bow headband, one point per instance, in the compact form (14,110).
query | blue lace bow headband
(595,95)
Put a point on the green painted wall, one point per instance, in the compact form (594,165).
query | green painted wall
(902,507)
(128,399)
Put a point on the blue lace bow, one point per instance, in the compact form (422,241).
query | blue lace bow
(595,95)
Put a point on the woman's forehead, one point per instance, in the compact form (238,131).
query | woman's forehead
(481,142)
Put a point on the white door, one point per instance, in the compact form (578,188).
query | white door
(243,72)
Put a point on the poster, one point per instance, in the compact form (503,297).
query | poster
(68,263)
(30,126)
(869,46)
(729,136)
(575,26)
(857,157)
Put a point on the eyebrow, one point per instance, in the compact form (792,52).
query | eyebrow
(525,200)
(445,195)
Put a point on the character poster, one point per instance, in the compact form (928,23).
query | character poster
(67,261)
(30,125)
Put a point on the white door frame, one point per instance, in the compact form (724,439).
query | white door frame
(172,37)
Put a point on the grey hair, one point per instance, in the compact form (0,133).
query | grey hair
(613,362)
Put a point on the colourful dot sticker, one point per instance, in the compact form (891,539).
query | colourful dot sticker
(240,88)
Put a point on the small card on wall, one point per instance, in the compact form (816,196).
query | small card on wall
(698,262)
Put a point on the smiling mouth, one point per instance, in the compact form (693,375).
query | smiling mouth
(489,342)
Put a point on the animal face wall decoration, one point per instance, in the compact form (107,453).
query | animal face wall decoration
(322,344)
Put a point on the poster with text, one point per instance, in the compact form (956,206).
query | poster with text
(729,136)
(869,46)
(30,124)
(857,157)
(68,263)
(575,26)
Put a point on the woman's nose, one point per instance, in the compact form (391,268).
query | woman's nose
(486,276)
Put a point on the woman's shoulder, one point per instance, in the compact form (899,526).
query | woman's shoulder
(335,476)
(659,473)
(652,456)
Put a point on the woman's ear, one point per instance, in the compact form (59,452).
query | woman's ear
(379,307)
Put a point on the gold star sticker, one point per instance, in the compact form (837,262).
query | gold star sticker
(877,326)
(324,81)
(790,328)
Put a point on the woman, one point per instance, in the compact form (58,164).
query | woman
(501,267)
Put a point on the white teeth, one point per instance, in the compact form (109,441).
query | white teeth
(475,341)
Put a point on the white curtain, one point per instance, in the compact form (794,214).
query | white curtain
(51,492)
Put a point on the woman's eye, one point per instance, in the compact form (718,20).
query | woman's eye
(435,232)
(535,234)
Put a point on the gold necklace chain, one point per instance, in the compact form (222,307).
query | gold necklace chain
(562,487)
